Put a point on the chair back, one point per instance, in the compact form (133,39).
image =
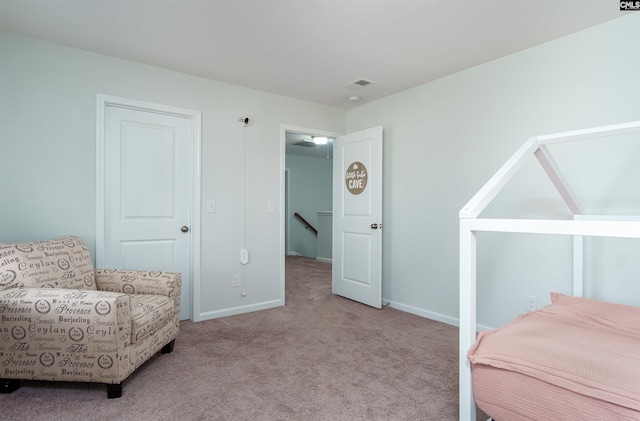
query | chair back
(63,262)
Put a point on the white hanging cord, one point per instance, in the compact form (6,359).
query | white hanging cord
(244,206)
(244,187)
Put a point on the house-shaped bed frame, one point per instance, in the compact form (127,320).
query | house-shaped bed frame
(581,225)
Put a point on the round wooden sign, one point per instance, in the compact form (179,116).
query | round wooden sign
(356,178)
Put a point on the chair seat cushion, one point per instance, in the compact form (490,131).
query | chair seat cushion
(148,312)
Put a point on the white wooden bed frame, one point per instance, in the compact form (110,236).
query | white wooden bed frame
(581,225)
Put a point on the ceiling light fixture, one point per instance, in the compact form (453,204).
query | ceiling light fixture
(353,98)
(320,140)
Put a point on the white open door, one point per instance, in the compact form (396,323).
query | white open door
(357,216)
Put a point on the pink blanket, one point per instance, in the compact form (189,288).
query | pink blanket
(588,347)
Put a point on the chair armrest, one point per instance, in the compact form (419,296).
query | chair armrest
(139,282)
(64,334)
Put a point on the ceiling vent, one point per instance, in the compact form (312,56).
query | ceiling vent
(358,84)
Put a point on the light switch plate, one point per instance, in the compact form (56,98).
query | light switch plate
(211,206)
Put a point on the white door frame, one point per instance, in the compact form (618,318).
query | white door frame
(287,225)
(195,180)
(284,128)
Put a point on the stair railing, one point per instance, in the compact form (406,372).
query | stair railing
(306,223)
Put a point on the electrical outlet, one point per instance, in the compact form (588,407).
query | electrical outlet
(237,280)
(532,303)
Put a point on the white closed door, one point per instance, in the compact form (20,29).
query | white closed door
(357,217)
(147,203)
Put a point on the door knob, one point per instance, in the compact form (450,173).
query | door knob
(374,226)
(184,228)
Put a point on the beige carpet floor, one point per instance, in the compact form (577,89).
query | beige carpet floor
(320,357)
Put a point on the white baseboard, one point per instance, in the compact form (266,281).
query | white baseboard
(324,259)
(423,313)
(393,304)
(238,310)
(480,328)
(453,321)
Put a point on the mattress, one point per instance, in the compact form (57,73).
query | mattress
(576,359)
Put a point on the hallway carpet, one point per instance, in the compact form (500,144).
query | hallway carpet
(320,357)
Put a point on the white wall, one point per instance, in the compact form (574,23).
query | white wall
(445,139)
(309,192)
(47,158)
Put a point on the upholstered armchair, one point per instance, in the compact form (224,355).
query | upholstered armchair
(61,320)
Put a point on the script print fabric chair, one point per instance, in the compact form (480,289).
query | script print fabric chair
(62,320)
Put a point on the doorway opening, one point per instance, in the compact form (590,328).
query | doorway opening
(307,168)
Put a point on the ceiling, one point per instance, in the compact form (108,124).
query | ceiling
(302,144)
(307,49)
